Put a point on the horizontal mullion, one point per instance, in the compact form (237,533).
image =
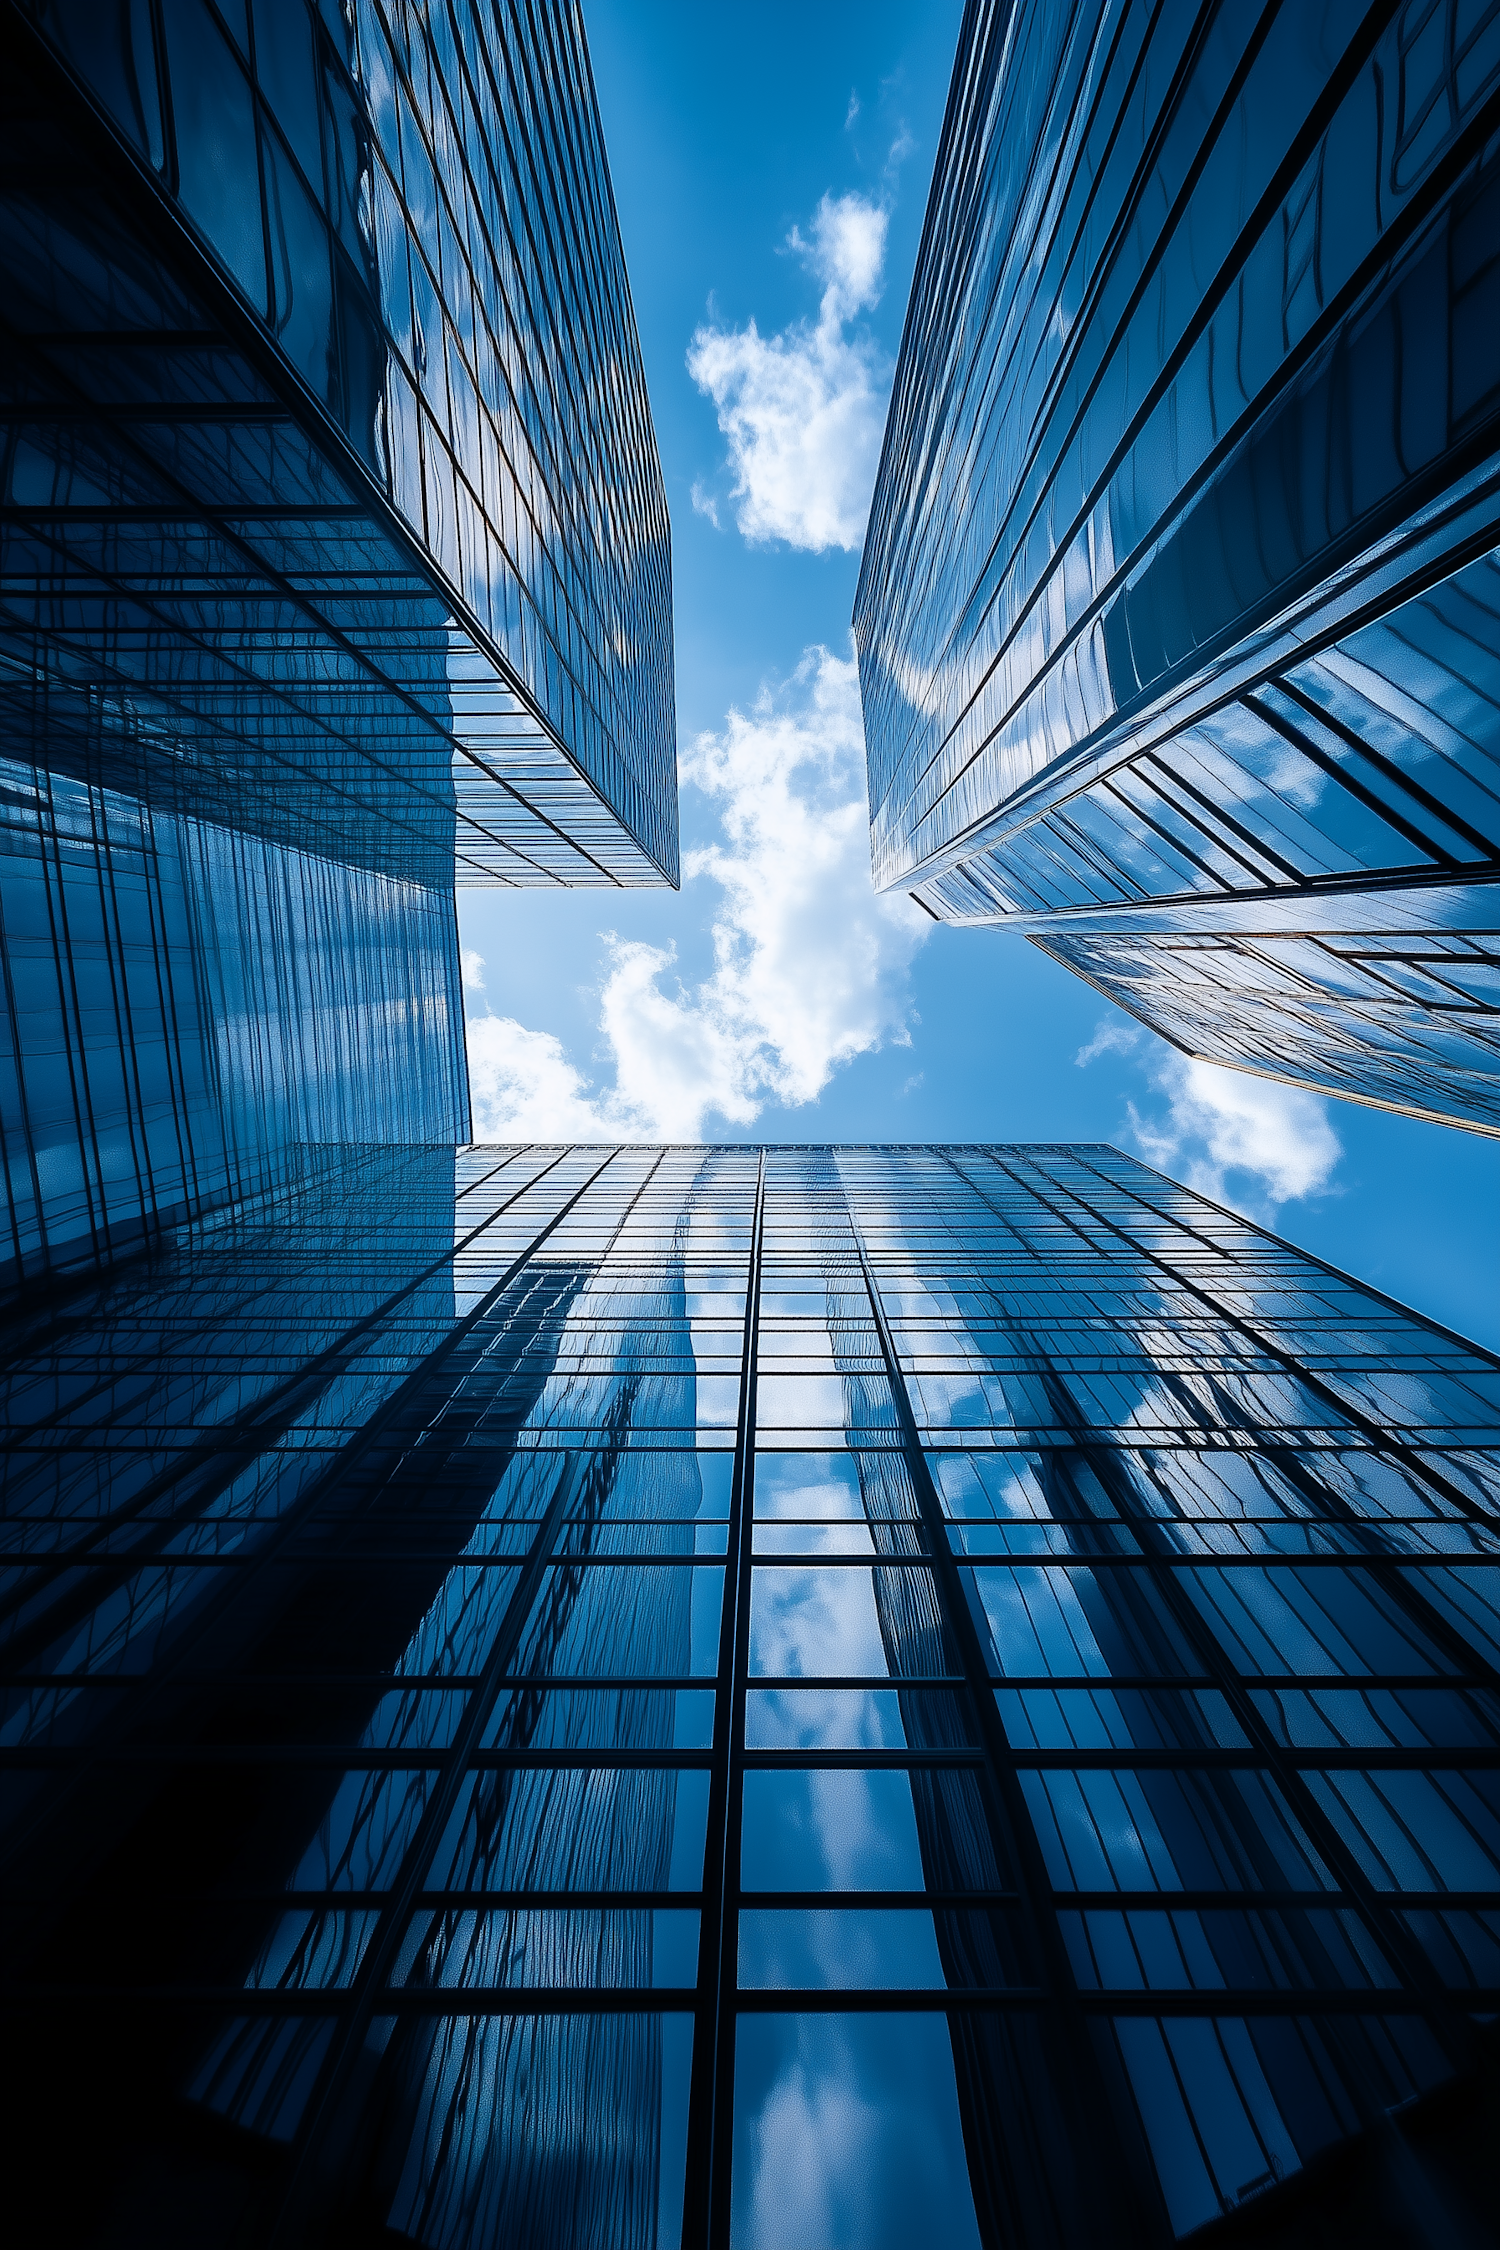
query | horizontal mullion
(819,1683)
(879,1901)
(1173,2001)
(1267,1561)
(42,413)
(1187,1760)
(518,2000)
(1308,1761)
(237,2000)
(352,1758)
(830,1760)
(1279,1683)
(167,514)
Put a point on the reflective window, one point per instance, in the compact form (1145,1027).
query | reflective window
(407,1694)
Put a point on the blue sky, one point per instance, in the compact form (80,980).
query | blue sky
(771,191)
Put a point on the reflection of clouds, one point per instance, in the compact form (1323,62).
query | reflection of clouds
(830,1719)
(807,1622)
(839,1949)
(842,1830)
(813,1539)
(857,2143)
(854,1839)
(813,2145)
(800,1402)
(807,1485)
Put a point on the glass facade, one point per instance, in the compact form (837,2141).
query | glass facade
(336,570)
(749,1696)
(1179,616)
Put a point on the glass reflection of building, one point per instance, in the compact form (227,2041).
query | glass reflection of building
(336,566)
(807,1695)
(1179,616)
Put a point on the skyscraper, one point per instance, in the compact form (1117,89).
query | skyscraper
(608,1696)
(336,565)
(1179,614)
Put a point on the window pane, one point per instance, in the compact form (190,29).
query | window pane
(847,2132)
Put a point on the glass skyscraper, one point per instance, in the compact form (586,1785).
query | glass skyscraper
(1179,615)
(762,1696)
(336,568)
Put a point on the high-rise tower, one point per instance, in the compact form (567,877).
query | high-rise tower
(610,1696)
(1179,616)
(336,565)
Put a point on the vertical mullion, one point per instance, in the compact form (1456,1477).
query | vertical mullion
(711,2099)
(1016,1842)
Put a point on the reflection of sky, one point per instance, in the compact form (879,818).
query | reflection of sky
(824,1718)
(990,1486)
(807,1484)
(804,1623)
(813,1539)
(847,2135)
(841,1947)
(819,1831)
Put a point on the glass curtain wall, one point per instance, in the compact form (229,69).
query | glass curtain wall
(336,570)
(746,1696)
(1177,614)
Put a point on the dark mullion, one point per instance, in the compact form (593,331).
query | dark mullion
(1060,1998)
(340,2069)
(345,1459)
(1250,1759)
(369,1993)
(1375,1908)
(1074,1683)
(1349,1414)
(1210,2002)
(711,2094)
(1269,1901)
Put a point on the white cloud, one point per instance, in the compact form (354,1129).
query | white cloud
(846,252)
(522,1086)
(810,966)
(1226,1121)
(803,410)
(853,110)
(704,503)
(472,965)
(903,146)
(1109,1039)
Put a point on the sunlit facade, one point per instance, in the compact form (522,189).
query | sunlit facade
(1179,615)
(718,1695)
(336,570)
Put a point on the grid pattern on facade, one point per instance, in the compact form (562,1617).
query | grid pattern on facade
(382,521)
(595,1691)
(181,1003)
(1180,580)
(1402,1022)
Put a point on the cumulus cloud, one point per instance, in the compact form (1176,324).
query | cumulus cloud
(810,966)
(1225,1121)
(803,410)
(472,966)
(1221,1122)
(522,1087)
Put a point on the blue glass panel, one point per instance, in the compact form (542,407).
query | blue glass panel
(847,2132)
